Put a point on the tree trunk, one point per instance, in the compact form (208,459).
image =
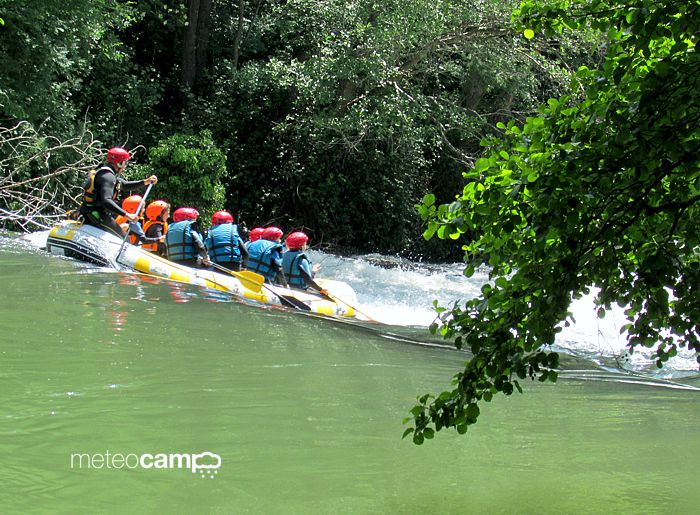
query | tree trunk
(202,36)
(239,34)
(189,49)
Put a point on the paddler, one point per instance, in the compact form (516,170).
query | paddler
(296,265)
(265,256)
(183,241)
(254,235)
(101,189)
(223,242)
(136,231)
(156,227)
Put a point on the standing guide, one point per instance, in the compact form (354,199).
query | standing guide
(103,186)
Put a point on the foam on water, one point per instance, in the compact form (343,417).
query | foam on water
(403,295)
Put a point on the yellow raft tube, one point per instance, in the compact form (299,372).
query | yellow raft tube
(88,243)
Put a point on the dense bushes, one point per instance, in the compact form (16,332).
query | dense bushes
(335,116)
(190,170)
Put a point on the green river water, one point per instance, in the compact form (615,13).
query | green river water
(305,414)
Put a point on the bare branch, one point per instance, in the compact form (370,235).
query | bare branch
(41,175)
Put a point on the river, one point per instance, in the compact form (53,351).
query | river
(113,385)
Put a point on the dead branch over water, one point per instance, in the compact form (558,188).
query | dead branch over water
(41,176)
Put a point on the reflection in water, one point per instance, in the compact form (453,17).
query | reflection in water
(118,315)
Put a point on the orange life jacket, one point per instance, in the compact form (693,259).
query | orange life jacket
(153,247)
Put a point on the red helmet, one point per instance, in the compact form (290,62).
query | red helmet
(117,155)
(132,203)
(155,209)
(221,217)
(256,234)
(296,240)
(185,213)
(272,233)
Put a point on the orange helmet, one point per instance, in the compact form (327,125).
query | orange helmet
(221,217)
(272,233)
(296,240)
(155,209)
(116,155)
(132,203)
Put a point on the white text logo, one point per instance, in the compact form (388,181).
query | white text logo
(206,463)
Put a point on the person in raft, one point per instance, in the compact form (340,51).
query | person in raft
(254,235)
(265,256)
(224,244)
(136,231)
(183,242)
(101,189)
(296,265)
(156,226)
(130,205)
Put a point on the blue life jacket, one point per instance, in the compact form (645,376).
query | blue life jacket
(222,243)
(180,242)
(291,261)
(260,254)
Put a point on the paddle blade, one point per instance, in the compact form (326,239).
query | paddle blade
(250,280)
(293,302)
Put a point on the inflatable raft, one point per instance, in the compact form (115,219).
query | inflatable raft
(93,245)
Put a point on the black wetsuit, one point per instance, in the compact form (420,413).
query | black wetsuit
(106,188)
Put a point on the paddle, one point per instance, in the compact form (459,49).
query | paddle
(251,280)
(328,295)
(138,212)
(258,281)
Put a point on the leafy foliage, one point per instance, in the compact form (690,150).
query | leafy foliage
(600,192)
(363,105)
(190,171)
(335,115)
(46,51)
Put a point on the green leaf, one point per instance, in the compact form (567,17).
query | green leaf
(502,282)
(472,411)
(430,231)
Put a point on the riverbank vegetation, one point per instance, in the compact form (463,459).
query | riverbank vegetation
(335,116)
